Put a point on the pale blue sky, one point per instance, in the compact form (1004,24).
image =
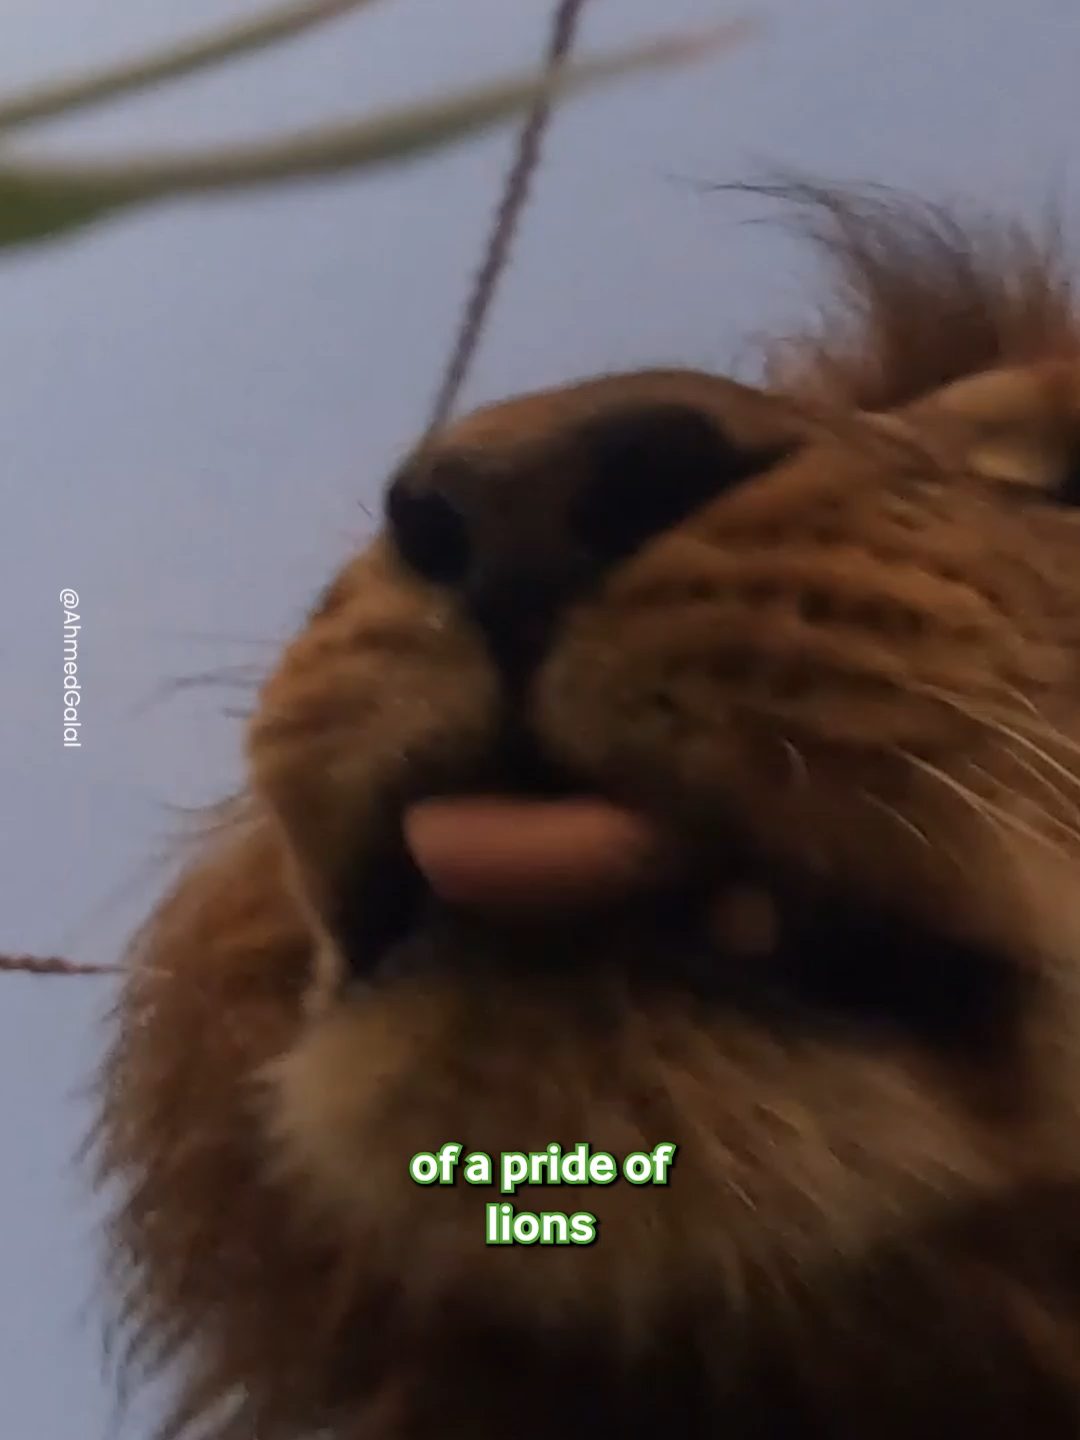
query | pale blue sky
(196,403)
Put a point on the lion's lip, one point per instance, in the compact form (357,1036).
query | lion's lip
(519,852)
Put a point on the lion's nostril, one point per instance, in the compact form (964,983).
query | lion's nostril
(430,532)
(652,467)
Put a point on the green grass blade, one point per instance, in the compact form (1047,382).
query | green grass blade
(245,37)
(43,199)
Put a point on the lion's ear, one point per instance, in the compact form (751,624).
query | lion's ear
(1021,425)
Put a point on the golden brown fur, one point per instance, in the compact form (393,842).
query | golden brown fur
(870,656)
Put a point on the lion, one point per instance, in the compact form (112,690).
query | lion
(821,633)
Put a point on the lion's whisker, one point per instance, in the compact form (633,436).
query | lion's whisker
(996,817)
(1040,812)
(898,817)
(1000,725)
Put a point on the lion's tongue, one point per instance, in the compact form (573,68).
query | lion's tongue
(498,852)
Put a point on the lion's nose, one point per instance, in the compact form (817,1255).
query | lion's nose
(521,535)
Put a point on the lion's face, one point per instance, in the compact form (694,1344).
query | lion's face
(834,647)
(834,654)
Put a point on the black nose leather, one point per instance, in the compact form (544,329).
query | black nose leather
(519,535)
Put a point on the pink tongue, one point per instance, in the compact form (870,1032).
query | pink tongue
(489,851)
